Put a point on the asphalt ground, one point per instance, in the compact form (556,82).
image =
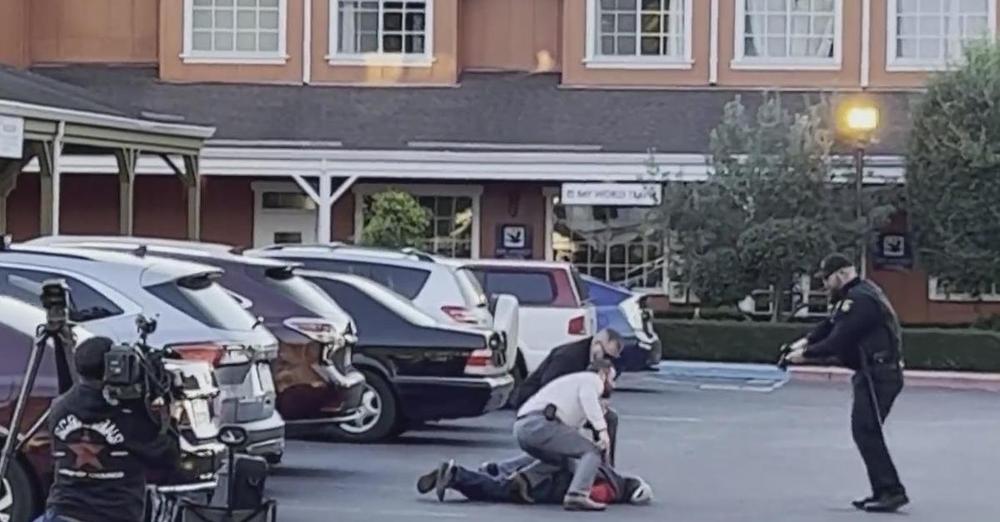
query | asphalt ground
(710,454)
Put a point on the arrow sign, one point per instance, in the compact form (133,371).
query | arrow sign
(514,236)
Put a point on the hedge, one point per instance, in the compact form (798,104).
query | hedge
(741,341)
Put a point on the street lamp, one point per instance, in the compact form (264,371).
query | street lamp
(860,120)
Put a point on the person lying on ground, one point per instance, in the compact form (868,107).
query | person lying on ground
(610,487)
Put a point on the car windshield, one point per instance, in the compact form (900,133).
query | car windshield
(472,291)
(309,296)
(394,302)
(204,300)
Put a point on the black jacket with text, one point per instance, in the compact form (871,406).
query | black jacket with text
(102,453)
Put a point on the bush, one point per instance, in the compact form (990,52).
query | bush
(395,220)
(730,341)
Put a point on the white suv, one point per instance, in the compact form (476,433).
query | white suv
(552,298)
(196,318)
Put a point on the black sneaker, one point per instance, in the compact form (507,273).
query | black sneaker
(427,481)
(490,468)
(887,503)
(445,475)
(861,502)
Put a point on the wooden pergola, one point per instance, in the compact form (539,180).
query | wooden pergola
(50,131)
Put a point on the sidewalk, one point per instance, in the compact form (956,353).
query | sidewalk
(950,380)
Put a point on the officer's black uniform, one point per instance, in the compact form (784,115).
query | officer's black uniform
(863,332)
(102,451)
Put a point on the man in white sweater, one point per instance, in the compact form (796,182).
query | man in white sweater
(548,428)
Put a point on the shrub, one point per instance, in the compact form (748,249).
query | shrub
(731,341)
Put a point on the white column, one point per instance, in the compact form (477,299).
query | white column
(324,208)
(57,146)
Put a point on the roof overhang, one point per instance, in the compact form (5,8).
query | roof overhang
(85,130)
(469,166)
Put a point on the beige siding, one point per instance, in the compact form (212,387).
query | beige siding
(518,35)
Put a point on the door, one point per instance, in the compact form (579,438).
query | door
(282,214)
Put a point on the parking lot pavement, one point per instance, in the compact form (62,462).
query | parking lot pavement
(710,456)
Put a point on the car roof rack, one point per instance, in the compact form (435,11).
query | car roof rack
(140,251)
(6,242)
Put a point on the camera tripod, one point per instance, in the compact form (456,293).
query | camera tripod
(57,330)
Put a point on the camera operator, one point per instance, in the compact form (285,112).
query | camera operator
(102,450)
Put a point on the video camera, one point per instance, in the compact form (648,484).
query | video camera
(134,372)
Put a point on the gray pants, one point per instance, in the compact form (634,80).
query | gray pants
(556,446)
(511,465)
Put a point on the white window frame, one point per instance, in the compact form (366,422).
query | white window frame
(279,57)
(334,57)
(742,62)
(935,294)
(475,192)
(593,60)
(894,64)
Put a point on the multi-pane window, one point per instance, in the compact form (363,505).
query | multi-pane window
(611,243)
(235,27)
(934,32)
(382,27)
(645,28)
(450,225)
(783,30)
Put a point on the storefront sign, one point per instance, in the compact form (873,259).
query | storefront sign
(893,250)
(513,242)
(11,136)
(612,194)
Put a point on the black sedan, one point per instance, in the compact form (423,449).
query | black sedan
(416,368)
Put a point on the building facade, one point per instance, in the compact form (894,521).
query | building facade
(485,110)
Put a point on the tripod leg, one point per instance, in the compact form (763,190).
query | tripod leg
(34,362)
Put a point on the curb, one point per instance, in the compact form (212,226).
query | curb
(921,378)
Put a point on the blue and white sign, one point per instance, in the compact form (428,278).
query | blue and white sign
(11,136)
(612,194)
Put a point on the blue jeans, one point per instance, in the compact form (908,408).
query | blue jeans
(480,486)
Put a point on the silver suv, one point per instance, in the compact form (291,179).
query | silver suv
(196,318)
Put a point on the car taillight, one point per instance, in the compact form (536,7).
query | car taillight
(460,314)
(480,358)
(323,332)
(577,326)
(210,353)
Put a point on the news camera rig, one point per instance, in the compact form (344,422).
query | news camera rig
(131,372)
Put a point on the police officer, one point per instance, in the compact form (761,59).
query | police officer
(102,451)
(863,332)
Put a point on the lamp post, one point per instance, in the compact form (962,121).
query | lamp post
(860,121)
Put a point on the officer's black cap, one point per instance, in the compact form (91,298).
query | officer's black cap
(833,263)
(89,357)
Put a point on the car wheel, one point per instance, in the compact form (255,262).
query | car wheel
(19,500)
(379,413)
(519,373)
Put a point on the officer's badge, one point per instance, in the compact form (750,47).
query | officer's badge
(845,306)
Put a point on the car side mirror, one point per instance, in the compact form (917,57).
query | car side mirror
(233,436)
